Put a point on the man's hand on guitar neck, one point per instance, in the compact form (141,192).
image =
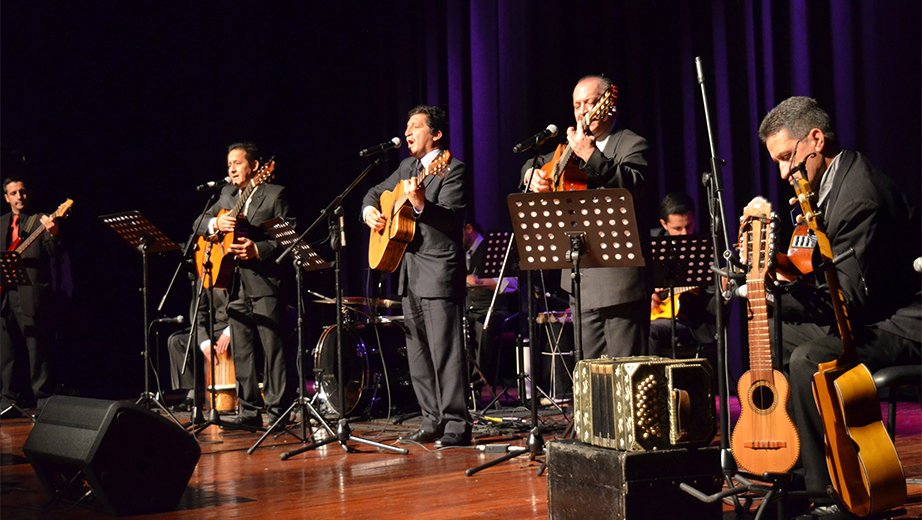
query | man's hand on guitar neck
(416,193)
(51,225)
(583,144)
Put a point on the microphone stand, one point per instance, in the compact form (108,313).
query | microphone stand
(343,431)
(535,444)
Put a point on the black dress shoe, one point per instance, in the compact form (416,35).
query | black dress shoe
(250,421)
(185,406)
(419,436)
(453,439)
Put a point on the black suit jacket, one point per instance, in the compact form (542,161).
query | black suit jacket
(433,266)
(867,213)
(36,260)
(259,276)
(620,165)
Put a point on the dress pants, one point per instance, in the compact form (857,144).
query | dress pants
(438,362)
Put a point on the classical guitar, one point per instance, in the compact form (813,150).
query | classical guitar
(215,248)
(799,258)
(764,438)
(561,170)
(666,305)
(62,211)
(863,464)
(386,247)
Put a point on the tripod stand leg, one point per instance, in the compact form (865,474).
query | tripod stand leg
(533,446)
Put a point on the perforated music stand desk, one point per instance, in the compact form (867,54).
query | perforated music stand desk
(11,270)
(285,235)
(496,244)
(681,261)
(545,224)
(143,236)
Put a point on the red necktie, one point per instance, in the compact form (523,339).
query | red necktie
(14,237)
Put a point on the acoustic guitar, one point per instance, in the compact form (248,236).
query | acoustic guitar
(665,307)
(561,170)
(62,211)
(799,259)
(764,438)
(214,249)
(863,464)
(387,246)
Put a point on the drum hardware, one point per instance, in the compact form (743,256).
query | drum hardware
(334,209)
(379,303)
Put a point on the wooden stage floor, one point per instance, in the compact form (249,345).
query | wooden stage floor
(369,483)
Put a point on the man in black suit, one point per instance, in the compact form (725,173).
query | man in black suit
(257,306)
(695,322)
(24,314)
(615,317)
(431,276)
(863,211)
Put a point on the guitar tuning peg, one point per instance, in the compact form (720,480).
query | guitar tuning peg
(792,201)
(799,219)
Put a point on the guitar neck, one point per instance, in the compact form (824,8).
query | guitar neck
(561,165)
(41,228)
(760,349)
(838,299)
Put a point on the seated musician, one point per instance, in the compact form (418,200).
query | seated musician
(479,295)
(864,211)
(181,374)
(614,320)
(695,322)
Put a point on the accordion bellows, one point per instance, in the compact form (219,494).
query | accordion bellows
(644,403)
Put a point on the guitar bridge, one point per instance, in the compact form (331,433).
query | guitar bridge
(765,445)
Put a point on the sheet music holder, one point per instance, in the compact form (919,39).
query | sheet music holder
(544,222)
(496,243)
(135,229)
(682,260)
(285,235)
(142,235)
(12,271)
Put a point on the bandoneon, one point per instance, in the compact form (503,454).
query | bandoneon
(644,403)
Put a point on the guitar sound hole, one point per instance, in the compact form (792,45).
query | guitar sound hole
(763,397)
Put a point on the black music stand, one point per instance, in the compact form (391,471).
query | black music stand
(575,229)
(13,273)
(305,259)
(679,261)
(143,236)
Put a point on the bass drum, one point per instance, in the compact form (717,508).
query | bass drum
(374,361)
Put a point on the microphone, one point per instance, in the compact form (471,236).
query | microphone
(536,140)
(383,147)
(213,184)
(699,69)
(177,319)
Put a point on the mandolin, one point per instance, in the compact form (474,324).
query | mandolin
(764,438)
(561,170)
(863,464)
(387,246)
(215,248)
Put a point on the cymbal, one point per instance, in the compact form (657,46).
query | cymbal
(369,302)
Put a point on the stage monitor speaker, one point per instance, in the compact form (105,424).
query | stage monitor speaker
(113,456)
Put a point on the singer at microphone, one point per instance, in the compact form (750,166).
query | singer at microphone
(383,147)
(536,140)
(213,184)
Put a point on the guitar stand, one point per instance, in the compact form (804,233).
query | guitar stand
(307,260)
(143,236)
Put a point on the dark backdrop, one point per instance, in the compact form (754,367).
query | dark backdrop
(129,105)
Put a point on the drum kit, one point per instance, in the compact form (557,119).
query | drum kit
(375,366)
